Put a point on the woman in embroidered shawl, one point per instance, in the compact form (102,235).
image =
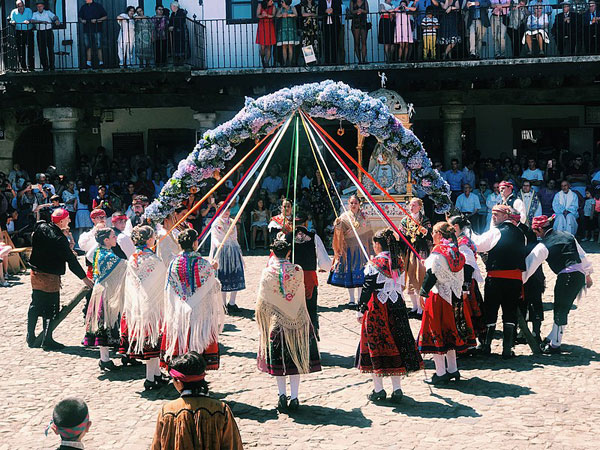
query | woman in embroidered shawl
(473,301)
(142,316)
(442,287)
(283,222)
(167,246)
(352,236)
(417,228)
(387,346)
(288,345)
(194,312)
(106,302)
(231,264)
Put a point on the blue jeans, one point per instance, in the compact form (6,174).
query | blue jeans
(92,39)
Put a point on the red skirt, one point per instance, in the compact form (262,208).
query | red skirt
(439,333)
(474,307)
(148,352)
(387,345)
(210,354)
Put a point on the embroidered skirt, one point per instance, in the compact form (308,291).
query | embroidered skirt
(439,332)
(231,269)
(474,306)
(210,354)
(278,362)
(102,337)
(387,346)
(148,352)
(349,272)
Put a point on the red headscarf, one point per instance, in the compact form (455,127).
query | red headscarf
(59,215)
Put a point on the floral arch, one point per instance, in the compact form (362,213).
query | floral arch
(327,99)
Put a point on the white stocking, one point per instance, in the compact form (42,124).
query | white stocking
(553,336)
(151,368)
(377,383)
(351,294)
(559,335)
(281,385)
(232,297)
(451,360)
(104,354)
(396,383)
(440,365)
(224,296)
(294,386)
(414,298)
(359,291)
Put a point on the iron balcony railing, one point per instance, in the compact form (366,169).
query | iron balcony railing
(458,31)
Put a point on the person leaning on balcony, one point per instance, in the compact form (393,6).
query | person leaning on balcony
(330,12)
(566,29)
(265,35)
(144,29)
(20,17)
(177,24)
(591,29)
(126,39)
(310,26)
(161,24)
(499,19)
(517,20)
(537,27)
(477,23)
(385,35)
(91,15)
(43,20)
(287,31)
(359,11)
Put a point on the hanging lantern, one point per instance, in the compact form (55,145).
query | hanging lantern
(341,130)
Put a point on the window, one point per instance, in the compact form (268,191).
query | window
(241,11)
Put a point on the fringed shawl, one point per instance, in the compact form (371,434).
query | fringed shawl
(167,248)
(346,228)
(144,298)
(194,310)
(281,306)
(447,264)
(107,295)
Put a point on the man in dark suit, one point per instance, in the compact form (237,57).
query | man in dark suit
(591,29)
(330,14)
(565,29)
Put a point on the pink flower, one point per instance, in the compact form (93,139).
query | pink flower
(289,297)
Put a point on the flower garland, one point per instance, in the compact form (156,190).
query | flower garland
(327,99)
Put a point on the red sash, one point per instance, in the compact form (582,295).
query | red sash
(512,274)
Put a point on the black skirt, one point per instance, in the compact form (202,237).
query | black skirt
(386,31)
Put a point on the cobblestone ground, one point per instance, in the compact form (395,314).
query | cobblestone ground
(530,401)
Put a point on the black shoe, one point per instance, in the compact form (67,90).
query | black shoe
(282,404)
(377,396)
(233,309)
(160,380)
(51,344)
(396,396)
(508,338)
(419,316)
(412,314)
(293,405)
(485,348)
(151,385)
(127,361)
(453,376)
(108,365)
(32,341)
(547,349)
(437,380)
(520,340)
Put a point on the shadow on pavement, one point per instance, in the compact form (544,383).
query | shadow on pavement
(245,411)
(338,308)
(323,415)
(451,409)
(331,360)
(491,389)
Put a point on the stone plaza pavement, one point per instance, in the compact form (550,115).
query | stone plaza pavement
(527,402)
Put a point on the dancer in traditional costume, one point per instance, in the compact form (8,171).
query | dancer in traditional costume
(142,316)
(106,303)
(505,246)
(417,229)
(194,420)
(288,345)
(441,334)
(309,253)
(231,263)
(87,242)
(194,312)
(473,301)
(49,254)
(167,246)
(352,235)
(125,246)
(569,262)
(387,346)
(283,222)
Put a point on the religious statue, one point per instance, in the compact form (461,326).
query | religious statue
(388,171)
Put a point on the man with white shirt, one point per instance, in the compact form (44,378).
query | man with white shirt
(495,198)
(567,259)
(467,203)
(531,202)
(510,199)
(533,174)
(43,20)
(566,206)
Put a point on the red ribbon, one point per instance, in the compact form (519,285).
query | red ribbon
(185,378)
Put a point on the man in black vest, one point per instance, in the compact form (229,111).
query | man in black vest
(309,253)
(505,246)
(49,253)
(567,259)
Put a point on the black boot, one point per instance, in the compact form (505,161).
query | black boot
(536,330)
(32,318)
(486,347)
(48,343)
(508,341)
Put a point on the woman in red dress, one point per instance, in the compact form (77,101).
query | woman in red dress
(265,36)
(443,287)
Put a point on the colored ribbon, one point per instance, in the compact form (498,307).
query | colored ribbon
(186,378)
(68,433)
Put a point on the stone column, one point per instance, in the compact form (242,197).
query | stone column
(64,134)
(207,121)
(452,118)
